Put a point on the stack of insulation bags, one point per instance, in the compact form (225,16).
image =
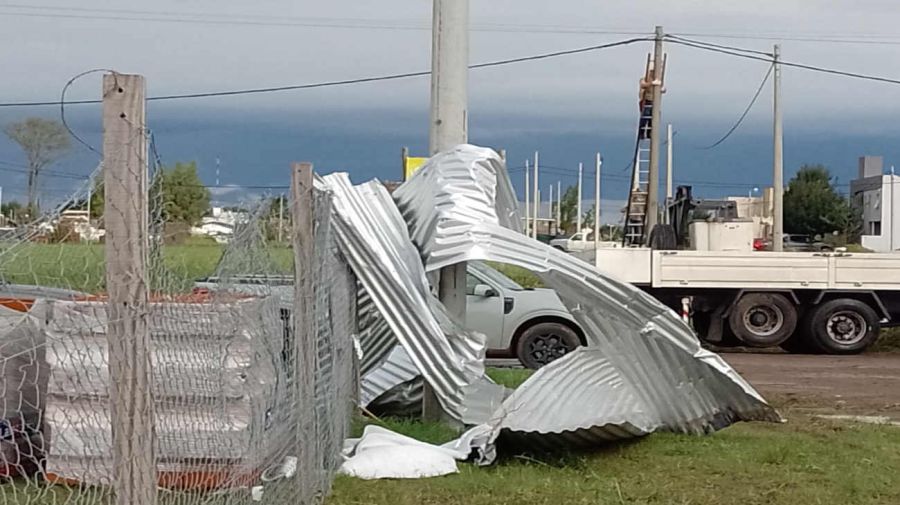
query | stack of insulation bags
(219,383)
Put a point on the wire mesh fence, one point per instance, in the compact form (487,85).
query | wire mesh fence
(225,400)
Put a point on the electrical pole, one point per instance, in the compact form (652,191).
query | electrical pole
(527,199)
(551,208)
(449,128)
(669,169)
(578,206)
(559,196)
(537,201)
(778,165)
(597,203)
(655,120)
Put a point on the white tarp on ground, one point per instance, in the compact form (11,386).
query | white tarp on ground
(644,370)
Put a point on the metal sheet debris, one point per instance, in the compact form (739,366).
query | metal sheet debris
(459,207)
(373,238)
(643,370)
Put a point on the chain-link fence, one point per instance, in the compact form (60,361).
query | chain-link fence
(206,387)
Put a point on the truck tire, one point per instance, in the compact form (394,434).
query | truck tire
(662,238)
(843,326)
(763,319)
(542,343)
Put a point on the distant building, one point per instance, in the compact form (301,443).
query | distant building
(876,197)
(220,224)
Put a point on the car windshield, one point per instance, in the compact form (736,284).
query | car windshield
(801,239)
(493,275)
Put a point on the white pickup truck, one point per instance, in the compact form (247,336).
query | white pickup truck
(824,302)
(578,242)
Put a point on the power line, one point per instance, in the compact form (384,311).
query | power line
(326,84)
(746,111)
(48,173)
(200,18)
(739,52)
(718,46)
(874,40)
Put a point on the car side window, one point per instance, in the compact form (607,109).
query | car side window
(471,282)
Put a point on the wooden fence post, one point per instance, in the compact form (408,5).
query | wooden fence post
(303,240)
(127,247)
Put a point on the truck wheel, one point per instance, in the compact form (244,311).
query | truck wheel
(662,238)
(544,342)
(843,326)
(763,319)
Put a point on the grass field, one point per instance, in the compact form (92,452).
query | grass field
(81,266)
(805,461)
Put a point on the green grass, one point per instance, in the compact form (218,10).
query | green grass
(509,377)
(81,266)
(523,277)
(888,341)
(805,461)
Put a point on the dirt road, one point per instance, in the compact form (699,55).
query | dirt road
(864,384)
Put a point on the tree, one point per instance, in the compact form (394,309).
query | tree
(44,141)
(812,205)
(568,207)
(184,197)
(11,210)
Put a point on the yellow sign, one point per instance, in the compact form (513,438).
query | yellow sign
(410,165)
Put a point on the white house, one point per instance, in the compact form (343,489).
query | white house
(877,196)
(220,224)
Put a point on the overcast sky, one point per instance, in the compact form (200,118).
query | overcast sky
(205,45)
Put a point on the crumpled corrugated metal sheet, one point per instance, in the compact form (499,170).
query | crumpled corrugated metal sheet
(374,239)
(459,207)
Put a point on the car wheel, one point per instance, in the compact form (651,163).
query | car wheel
(545,342)
(843,326)
(763,319)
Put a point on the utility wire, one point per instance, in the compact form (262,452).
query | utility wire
(746,111)
(673,38)
(62,106)
(814,68)
(326,84)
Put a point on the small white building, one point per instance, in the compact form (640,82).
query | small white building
(877,197)
(220,224)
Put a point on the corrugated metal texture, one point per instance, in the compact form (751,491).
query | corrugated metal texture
(397,369)
(374,239)
(678,385)
(375,335)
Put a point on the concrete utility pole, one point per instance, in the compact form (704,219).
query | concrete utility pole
(537,201)
(527,200)
(578,206)
(551,207)
(127,249)
(559,196)
(670,167)
(597,203)
(449,128)
(655,120)
(778,165)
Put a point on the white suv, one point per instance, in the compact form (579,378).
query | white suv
(530,324)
